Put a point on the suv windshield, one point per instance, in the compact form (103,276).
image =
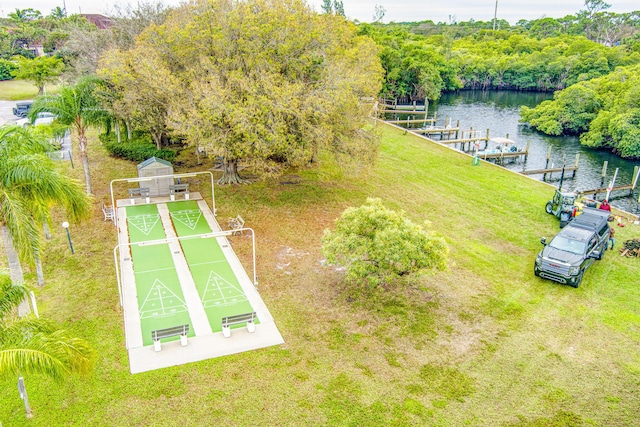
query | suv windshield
(567,245)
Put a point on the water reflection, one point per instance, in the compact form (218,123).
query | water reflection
(499,112)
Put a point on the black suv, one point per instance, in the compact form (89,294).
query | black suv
(574,248)
(22,108)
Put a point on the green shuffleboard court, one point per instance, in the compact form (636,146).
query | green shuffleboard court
(218,287)
(161,303)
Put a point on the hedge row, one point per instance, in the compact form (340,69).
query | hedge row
(138,149)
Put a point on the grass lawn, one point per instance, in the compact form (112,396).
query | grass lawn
(16,90)
(485,343)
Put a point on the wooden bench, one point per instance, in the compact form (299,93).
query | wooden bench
(177,189)
(174,331)
(109,213)
(135,193)
(236,224)
(247,318)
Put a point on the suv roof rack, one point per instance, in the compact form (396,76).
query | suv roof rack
(591,219)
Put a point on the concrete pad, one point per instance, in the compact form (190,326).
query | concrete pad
(206,344)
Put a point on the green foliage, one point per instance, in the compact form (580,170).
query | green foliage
(414,68)
(227,77)
(79,108)
(605,112)
(381,247)
(40,70)
(418,67)
(6,69)
(138,149)
(29,185)
(34,345)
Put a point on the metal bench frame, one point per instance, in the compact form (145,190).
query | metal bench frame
(138,193)
(173,331)
(247,318)
(179,188)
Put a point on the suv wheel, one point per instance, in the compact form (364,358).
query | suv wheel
(578,280)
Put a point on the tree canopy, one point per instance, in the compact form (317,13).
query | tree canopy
(605,112)
(381,247)
(40,70)
(269,82)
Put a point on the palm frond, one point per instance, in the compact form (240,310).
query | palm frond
(55,355)
(10,295)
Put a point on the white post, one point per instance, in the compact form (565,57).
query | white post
(23,395)
(611,184)
(33,303)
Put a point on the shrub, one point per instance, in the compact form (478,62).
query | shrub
(6,67)
(138,149)
(380,247)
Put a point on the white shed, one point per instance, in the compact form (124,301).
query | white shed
(156,167)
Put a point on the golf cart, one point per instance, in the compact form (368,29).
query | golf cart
(563,206)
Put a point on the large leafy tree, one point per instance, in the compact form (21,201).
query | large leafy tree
(29,185)
(40,70)
(267,81)
(142,92)
(79,108)
(30,345)
(380,247)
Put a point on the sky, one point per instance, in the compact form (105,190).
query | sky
(363,10)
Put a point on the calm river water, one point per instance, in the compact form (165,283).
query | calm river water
(498,111)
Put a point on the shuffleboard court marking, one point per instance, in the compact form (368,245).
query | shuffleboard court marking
(219,261)
(145,223)
(161,302)
(220,292)
(187,217)
(154,270)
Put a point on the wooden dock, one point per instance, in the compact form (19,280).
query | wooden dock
(549,170)
(401,107)
(507,155)
(597,191)
(386,110)
(400,121)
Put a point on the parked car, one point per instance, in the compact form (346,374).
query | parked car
(574,248)
(43,118)
(22,108)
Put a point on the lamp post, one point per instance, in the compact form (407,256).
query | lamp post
(65,225)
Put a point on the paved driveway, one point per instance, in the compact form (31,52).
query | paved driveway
(6,116)
(6,112)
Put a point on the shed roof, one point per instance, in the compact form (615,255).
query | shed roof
(152,160)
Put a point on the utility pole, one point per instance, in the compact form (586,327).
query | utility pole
(495,16)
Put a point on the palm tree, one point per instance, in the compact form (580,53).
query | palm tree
(79,108)
(25,15)
(58,13)
(29,184)
(30,345)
